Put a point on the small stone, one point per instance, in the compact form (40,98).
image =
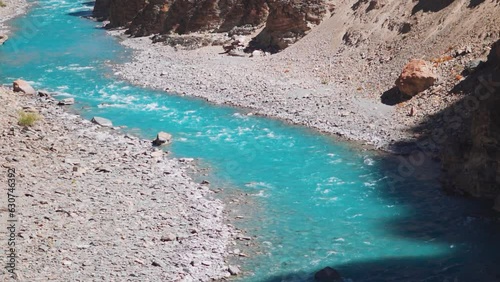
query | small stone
(206,263)
(234,270)
(3,38)
(66,102)
(102,121)
(42,93)
(157,154)
(168,238)
(162,138)
(139,261)
(155,263)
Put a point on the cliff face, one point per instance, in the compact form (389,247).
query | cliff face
(471,165)
(151,19)
(289,21)
(101,9)
(285,21)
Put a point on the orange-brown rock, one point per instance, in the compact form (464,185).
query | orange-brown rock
(285,21)
(289,21)
(416,77)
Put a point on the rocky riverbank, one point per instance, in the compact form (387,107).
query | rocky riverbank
(95,204)
(274,86)
(10,9)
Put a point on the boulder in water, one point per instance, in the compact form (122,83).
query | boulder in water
(328,274)
(67,101)
(102,121)
(23,86)
(162,138)
(3,38)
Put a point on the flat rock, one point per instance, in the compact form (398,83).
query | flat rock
(102,121)
(23,86)
(234,270)
(67,101)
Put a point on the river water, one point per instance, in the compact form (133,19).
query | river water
(316,201)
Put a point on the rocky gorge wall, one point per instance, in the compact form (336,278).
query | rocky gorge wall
(285,21)
(471,163)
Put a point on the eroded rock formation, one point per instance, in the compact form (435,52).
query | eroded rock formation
(285,21)
(471,163)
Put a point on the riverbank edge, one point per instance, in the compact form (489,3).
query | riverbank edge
(200,205)
(186,169)
(12,9)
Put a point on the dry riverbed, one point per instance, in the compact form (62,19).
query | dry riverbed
(95,204)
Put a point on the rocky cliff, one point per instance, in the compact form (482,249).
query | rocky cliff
(285,21)
(471,163)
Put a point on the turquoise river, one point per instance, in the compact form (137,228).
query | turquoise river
(317,201)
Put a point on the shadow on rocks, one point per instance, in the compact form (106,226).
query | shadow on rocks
(393,97)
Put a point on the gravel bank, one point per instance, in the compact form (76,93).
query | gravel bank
(280,86)
(12,9)
(94,204)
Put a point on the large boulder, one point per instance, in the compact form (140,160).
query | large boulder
(23,86)
(162,138)
(416,77)
(328,274)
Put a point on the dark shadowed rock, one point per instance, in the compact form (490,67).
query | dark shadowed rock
(101,9)
(162,138)
(327,274)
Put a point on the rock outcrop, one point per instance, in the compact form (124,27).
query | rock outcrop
(151,19)
(471,162)
(122,12)
(285,21)
(416,77)
(101,9)
(23,86)
(328,274)
(289,21)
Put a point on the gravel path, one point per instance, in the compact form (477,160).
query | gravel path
(94,204)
